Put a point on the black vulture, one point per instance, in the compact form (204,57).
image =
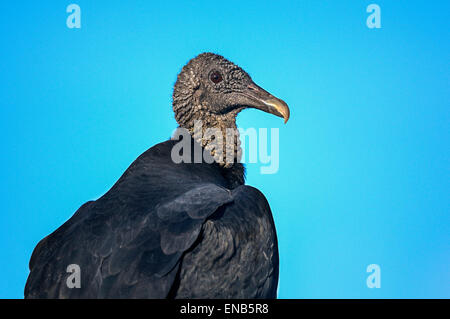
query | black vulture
(170,229)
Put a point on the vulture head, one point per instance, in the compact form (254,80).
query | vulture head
(213,90)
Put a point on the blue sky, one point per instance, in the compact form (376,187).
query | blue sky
(364,159)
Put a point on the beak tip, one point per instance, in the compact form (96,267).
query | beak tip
(286,115)
(271,104)
(280,108)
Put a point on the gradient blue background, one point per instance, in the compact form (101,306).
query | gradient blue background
(364,160)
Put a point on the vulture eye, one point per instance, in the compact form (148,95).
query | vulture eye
(215,77)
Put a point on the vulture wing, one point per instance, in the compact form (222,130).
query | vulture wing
(129,242)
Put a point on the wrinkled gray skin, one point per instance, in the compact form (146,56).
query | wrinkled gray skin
(197,98)
(167,230)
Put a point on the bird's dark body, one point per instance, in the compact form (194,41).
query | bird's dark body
(164,230)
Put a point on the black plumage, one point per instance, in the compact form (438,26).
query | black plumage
(168,230)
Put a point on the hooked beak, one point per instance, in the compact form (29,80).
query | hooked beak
(264,101)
